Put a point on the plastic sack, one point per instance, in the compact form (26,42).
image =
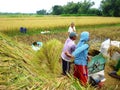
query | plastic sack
(105,46)
(96,78)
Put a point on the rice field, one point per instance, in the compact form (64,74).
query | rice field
(38,71)
(14,23)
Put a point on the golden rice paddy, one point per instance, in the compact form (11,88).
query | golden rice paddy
(13,23)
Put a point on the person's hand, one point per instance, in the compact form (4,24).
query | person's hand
(68,54)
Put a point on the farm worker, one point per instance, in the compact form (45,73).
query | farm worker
(37,45)
(68,48)
(80,58)
(71,28)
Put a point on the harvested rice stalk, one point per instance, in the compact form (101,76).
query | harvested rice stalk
(113,49)
(93,52)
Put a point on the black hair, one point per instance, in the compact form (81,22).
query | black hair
(70,37)
(34,43)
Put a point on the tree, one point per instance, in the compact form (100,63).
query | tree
(57,10)
(71,8)
(85,7)
(41,12)
(95,11)
(76,8)
(110,7)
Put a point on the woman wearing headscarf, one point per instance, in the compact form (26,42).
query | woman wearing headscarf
(80,58)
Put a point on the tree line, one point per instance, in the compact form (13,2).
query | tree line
(107,8)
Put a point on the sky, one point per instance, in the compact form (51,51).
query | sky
(31,6)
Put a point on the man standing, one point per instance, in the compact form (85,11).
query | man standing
(69,47)
(71,28)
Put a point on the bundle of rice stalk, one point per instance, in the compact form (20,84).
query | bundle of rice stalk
(49,56)
(95,45)
(113,49)
(93,52)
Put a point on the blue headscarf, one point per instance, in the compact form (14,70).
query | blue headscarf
(81,50)
(84,37)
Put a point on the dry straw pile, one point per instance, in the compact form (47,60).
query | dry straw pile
(16,68)
(113,49)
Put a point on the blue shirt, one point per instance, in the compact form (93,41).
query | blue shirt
(81,52)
